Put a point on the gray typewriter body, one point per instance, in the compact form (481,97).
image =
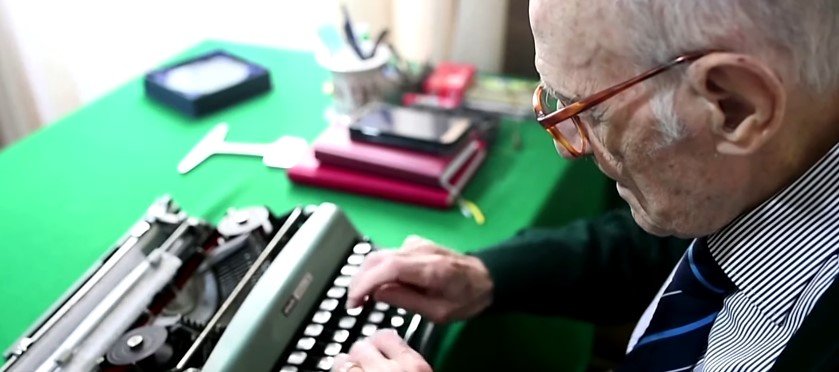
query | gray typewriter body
(258,292)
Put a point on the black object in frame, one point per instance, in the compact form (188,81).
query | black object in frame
(207,83)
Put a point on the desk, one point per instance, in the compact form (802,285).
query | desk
(69,191)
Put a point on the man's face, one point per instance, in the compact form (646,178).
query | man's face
(683,188)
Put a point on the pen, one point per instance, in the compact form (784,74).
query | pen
(348,30)
(379,40)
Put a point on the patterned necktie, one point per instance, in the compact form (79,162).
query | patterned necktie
(677,335)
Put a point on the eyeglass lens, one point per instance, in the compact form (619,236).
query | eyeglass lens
(566,128)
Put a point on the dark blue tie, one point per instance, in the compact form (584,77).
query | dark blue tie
(677,335)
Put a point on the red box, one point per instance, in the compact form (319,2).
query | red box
(450,80)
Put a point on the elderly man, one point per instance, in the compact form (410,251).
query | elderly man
(718,120)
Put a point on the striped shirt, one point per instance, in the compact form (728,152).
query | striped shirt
(782,256)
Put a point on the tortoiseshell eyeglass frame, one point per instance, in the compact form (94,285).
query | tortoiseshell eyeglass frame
(551,121)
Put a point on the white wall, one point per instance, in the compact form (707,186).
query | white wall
(478,34)
(75,51)
(87,47)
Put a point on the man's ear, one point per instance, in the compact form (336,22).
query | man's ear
(747,100)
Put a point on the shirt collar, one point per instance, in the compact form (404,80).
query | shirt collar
(774,250)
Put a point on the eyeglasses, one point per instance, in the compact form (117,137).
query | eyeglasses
(555,121)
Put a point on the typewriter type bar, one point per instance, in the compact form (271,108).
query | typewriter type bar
(126,264)
(257,293)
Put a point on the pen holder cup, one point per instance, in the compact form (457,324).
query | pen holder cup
(357,82)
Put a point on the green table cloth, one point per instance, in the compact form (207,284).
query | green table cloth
(69,191)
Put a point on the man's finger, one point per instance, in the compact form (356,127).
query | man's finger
(368,356)
(394,348)
(371,277)
(416,244)
(414,240)
(434,308)
(414,270)
(372,261)
(341,363)
(375,258)
(390,344)
(420,249)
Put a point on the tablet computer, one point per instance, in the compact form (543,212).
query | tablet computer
(413,128)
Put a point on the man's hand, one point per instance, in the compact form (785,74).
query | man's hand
(425,278)
(384,351)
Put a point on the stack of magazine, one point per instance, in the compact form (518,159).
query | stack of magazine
(394,173)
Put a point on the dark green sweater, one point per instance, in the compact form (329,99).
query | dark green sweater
(607,271)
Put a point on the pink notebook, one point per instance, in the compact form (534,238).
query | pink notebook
(313,172)
(335,147)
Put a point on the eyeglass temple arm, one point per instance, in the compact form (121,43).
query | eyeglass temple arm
(597,98)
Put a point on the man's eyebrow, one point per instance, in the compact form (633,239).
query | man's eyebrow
(565,99)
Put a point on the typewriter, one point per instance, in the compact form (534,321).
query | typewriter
(258,292)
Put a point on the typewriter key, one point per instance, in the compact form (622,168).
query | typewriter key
(397,321)
(305,343)
(376,317)
(346,322)
(329,304)
(349,270)
(341,335)
(355,259)
(332,349)
(297,358)
(354,311)
(325,363)
(336,292)
(313,330)
(362,248)
(321,317)
(343,281)
(369,329)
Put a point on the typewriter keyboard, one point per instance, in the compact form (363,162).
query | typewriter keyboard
(332,329)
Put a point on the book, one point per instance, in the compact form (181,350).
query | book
(334,147)
(311,171)
(502,95)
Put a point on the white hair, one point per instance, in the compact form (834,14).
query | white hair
(799,38)
(662,105)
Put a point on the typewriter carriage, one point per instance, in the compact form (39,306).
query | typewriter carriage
(221,294)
